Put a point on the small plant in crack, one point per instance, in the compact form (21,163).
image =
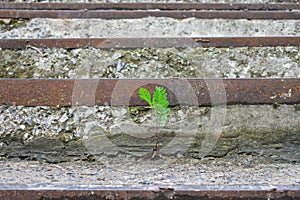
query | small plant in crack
(159,102)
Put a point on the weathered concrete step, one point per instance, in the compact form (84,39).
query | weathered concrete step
(152,27)
(243,62)
(65,134)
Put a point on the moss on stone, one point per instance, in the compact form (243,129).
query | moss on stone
(9,24)
(15,64)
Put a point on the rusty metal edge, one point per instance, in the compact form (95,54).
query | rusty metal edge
(147,6)
(119,92)
(133,43)
(149,192)
(129,14)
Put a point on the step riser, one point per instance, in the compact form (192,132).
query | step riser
(76,133)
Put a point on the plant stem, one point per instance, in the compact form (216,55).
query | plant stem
(155,149)
(156,143)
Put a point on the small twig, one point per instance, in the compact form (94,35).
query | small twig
(125,171)
(35,48)
(59,167)
(135,173)
(154,153)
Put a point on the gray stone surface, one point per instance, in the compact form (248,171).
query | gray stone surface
(63,134)
(244,169)
(262,130)
(244,62)
(152,27)
(66,134)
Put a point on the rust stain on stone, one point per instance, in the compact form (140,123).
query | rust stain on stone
(134,14)
(133,43)
(147,6)
(150,192)
(116,92)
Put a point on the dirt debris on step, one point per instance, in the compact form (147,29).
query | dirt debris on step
(127,171)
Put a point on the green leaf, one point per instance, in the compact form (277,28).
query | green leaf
(161,103)
(145,95)
(160,97)
(162,114)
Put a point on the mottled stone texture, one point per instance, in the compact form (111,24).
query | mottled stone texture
(152,27)
(261,130)
(243,62)
(62,134)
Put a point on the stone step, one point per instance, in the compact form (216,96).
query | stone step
(65,134)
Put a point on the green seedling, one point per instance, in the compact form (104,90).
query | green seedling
(159,102)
